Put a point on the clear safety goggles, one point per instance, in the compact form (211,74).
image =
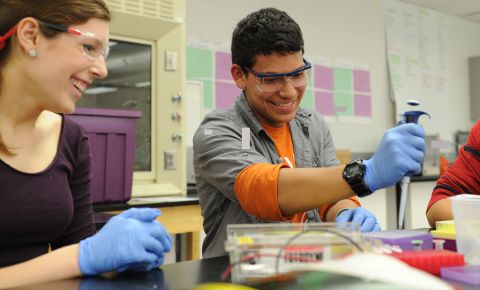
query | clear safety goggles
(92,47)
(274,82)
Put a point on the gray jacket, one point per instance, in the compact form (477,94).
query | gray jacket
(219,157)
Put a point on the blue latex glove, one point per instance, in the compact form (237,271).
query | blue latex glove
(400,153)
(360,215)
(132,240)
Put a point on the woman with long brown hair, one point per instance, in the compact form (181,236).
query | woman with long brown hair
(50,52)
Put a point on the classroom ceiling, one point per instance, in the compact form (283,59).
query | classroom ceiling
(466,9)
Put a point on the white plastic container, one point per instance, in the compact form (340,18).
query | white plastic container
(466,212)
(259,250)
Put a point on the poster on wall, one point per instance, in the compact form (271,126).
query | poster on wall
(417,53)
(339,90)
(342,90)
(209,62)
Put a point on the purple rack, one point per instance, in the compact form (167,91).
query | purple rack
(466,274)
(403,238)
(111,134)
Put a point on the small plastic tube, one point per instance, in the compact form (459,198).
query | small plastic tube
(417,245)
(438,244)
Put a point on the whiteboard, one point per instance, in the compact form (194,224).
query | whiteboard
(417,52)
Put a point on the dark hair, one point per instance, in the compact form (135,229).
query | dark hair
(263,32)
(60,12)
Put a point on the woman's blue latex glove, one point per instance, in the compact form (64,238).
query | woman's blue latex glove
(400,153)
(132,240)
(360,215)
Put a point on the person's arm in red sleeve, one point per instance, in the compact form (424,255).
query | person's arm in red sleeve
(462,177)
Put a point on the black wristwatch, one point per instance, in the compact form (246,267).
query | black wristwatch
(354,174)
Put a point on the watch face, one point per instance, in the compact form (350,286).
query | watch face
(353,174)
(354,170)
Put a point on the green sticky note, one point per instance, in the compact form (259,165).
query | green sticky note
(208,97)
(343,79)
(307,101)
(343,103)
(199,63)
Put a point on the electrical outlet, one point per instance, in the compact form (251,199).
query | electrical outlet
(170,159)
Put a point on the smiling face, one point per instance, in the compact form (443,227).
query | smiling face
(62,70)
(273,109)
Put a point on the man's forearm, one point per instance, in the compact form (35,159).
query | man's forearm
(337,207)
(302,189)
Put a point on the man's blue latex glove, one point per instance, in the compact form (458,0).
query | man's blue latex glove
(360,215)
(400,153)
(132,240)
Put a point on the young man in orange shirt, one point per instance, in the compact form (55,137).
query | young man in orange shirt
(267,160)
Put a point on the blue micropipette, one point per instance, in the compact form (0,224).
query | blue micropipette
(408,117)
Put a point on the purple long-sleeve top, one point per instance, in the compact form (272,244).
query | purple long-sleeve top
(50,208)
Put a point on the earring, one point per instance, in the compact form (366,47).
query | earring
(32,53)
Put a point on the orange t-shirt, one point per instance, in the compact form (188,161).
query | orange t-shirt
(256,185)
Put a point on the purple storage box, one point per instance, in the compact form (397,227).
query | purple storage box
(111,134)
(403,238)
